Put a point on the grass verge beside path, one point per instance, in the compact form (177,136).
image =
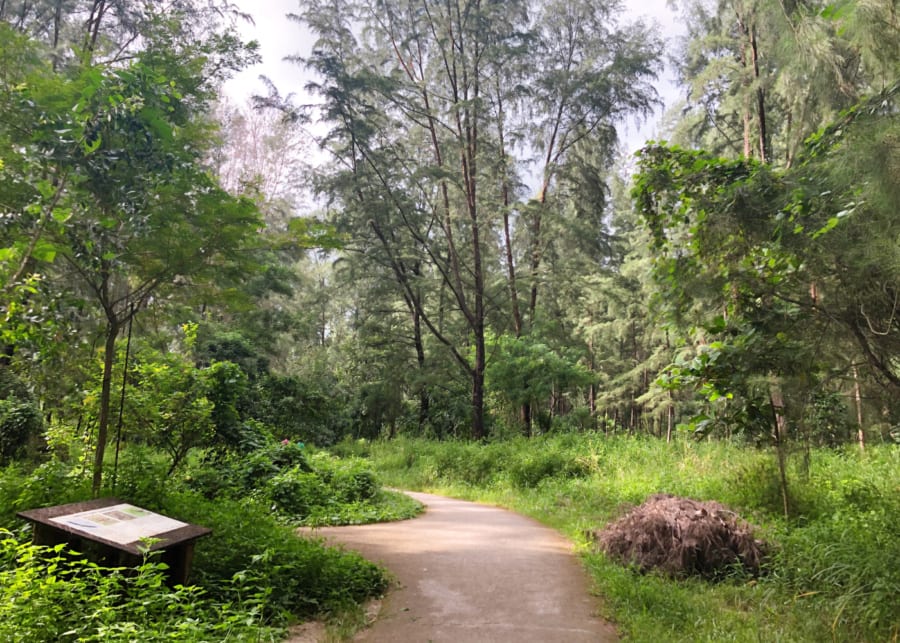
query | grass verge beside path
(835,573)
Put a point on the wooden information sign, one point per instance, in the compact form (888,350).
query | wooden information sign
(118,531)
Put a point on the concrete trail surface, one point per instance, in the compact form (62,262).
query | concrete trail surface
(468,573)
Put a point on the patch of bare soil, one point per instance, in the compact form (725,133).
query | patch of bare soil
(309,632)
(683,537)
(319,631)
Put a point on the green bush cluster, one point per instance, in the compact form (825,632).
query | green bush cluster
(252,568)
(250,550)
(20,420)
(49,594)
(347,479)
(296,493)
(50,483)
(302,489)
(216,474)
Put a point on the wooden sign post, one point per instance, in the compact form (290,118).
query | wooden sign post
(115,533)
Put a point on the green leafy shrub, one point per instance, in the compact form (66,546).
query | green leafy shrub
(288,454)
(353,486)
(302,489)
(247,472)
(385,506)
(51,483)
(142,475)
(235,475)
(528,369)
(297,406)
(21,425)
(250,554)
(296,492)
(168,403)
(349,479)
(226,385)
(50,595)
(247,542)
(20,428)
(334,491)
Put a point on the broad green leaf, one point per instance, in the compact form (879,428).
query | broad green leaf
(832,222)
(92,146)
(61,215)
(44,251)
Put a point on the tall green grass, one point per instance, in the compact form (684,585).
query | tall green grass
(835,571)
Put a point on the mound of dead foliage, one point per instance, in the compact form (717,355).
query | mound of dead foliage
(683,537)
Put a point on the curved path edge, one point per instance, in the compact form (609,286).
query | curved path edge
(469,573)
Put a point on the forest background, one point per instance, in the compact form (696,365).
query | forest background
(447,242)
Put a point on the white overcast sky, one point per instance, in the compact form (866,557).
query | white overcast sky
(280,37)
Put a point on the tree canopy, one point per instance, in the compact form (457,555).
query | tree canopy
(471,258)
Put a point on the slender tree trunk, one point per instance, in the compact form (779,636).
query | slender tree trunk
(478,429)
(780,427)
(527,419)
(745,63)
(525,411)
(860,431)
(122,398)
(507,237)
(23,13)
(760,99)
(57,24)
(670,418)
(471,133)
(92,32)
(109,357)
(510,266)
(535,264)
(748,147)
(592,389)
(424,397)
(789,138)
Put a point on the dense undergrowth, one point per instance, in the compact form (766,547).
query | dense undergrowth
(251,577)
(301,486)
(835,573)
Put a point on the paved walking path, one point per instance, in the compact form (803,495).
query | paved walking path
(467,573)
